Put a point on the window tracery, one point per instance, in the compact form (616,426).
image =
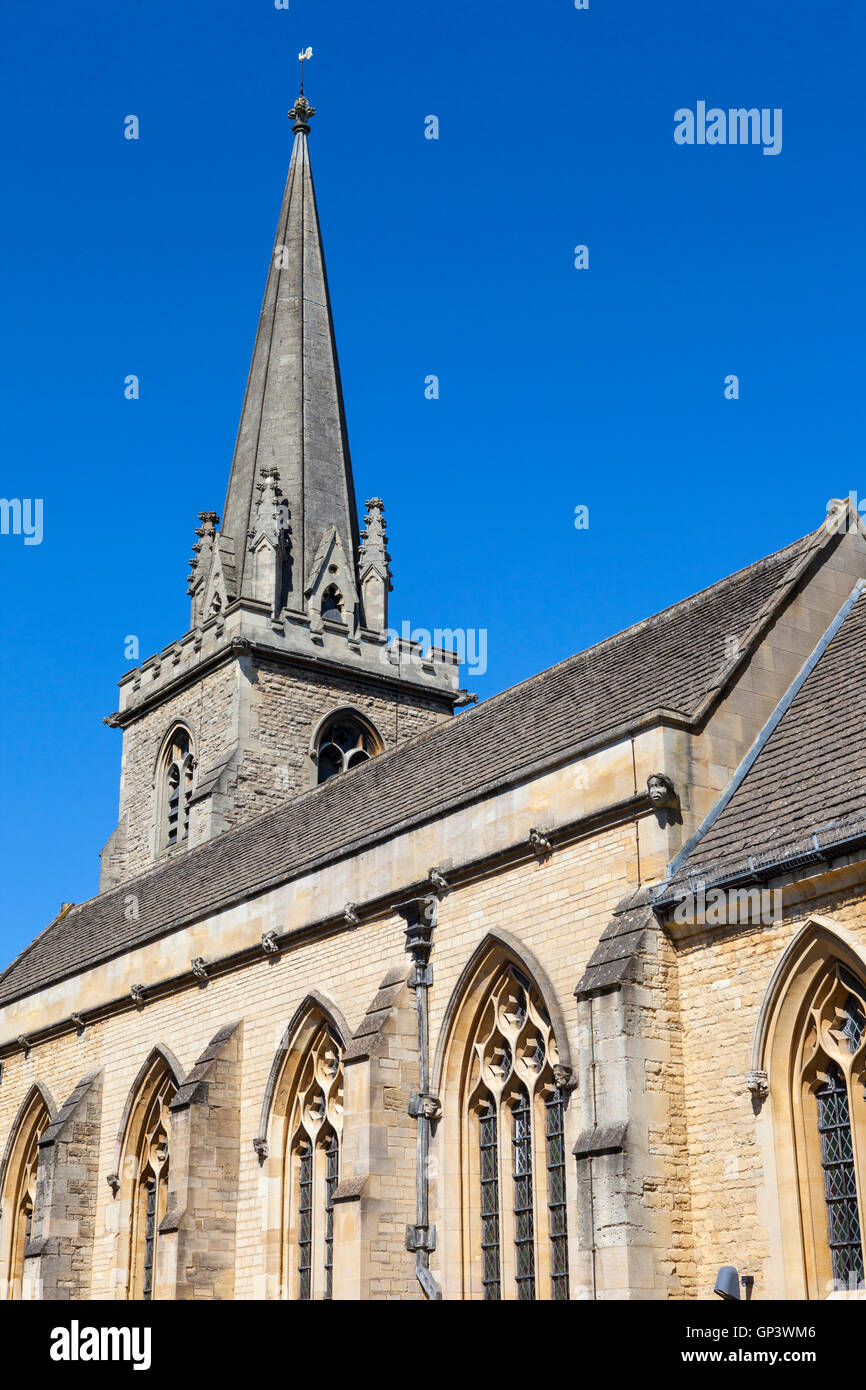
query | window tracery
(312,1167)
(345,741)
(19,1197)
(177,772)
(514,1118)
(832,1073)
(146,1167)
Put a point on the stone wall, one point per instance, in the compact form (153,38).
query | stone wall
(57,1260)
(556,907)
(252,722)
(734,1142)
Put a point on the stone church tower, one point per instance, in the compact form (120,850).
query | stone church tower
(287,641)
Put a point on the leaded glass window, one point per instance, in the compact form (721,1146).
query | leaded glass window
(149,1235)
(840,1182)
(147,1163)
(855,1022)
(305,1217)
(315,1125)
(833,1062)
(516,1131)
(556,1200)
(489,1202)
(524,1228)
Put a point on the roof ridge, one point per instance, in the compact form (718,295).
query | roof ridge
(438,731)
(615,637)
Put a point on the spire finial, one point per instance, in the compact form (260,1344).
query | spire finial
(302,111)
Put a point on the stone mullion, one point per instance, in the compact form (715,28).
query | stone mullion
(317,1221)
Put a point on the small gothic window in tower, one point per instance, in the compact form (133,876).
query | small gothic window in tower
(178,766)
(344,742)
(332,604)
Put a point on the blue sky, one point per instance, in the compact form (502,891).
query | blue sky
(454,257)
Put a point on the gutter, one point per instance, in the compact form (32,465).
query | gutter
(762,870)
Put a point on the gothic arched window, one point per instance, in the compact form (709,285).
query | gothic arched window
(177,766)
(513,1117)
(312,1167)
(345,741)
(832,1067)
(145,1170)
(19,1189)
(332,605)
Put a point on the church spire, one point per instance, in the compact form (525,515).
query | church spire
(293,418)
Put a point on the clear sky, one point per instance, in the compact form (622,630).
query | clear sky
(559,387)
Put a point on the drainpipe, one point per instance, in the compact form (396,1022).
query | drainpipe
(594,1251)
(420,917)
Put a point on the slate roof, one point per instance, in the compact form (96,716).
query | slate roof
(616,958)
(810,777)
(675,661)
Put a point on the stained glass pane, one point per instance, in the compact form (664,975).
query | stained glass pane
(840,1183)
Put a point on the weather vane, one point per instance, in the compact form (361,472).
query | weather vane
(302,110)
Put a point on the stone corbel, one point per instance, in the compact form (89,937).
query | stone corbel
(540,842)
(113,1181)
(270,944)
(758,1083)
(427,1105)
(438,880)
(137,994)
(350,915)
(199,969)
(260,1145)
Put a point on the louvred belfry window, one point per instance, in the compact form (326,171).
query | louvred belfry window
(515,1121)
(178,766)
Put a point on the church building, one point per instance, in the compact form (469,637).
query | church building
(383,996)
